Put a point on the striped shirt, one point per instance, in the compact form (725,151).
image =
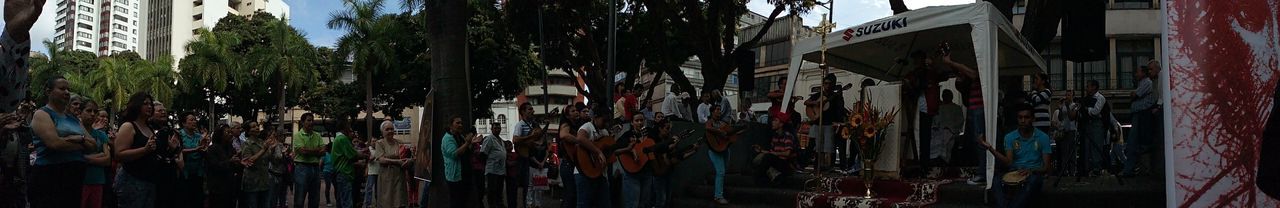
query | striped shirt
(975,94)
(783,142)
(1040,100)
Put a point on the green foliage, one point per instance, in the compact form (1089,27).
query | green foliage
(334,100)
(245,62)
(500,68)
(113,77)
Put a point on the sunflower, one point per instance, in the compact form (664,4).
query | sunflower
(869,132)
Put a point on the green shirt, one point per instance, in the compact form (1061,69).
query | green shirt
(255,177)
(452,167)
(344,155)
(302,139)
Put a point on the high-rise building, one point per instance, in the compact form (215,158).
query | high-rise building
(101,26)
(170,25)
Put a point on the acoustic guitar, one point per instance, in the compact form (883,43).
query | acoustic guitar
(814,111)
(721,143)
(582,157)
(523,148)
(640,154)
(663,163)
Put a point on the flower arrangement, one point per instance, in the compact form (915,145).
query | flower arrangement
(867,127)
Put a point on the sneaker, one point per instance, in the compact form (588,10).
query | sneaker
(722,201)
(976,180)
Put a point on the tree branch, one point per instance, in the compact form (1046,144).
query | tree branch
(763,29)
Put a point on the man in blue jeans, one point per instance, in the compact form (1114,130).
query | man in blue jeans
(1026,154)
(309,147)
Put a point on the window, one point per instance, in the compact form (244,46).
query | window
(763,86)
(84,26)
(83,43)
(777,54)
(84,35)
(117,44)
(88,1)
(1094,70)
(1020,7)
(117,35)
(197,17)
(86,9)
(120,18)
(1057,67)
(1131,4)
(85,17)
(121,10)
(1130,54)
(118,26)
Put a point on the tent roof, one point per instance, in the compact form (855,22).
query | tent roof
(880,49)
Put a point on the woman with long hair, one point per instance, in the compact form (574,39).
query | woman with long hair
(570,119)
(60,141)
(99,160)
(223,167)
(135,148)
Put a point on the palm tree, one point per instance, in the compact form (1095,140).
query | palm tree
(212,65)
(289,62)
(367,43)
(116,79)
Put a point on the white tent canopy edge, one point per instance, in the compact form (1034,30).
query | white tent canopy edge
(989,31)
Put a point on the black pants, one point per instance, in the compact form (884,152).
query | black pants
(926,139)
(512,186)
(192,191)
(495,188)
(56,185)
(223,199)
(458,194)
(776,163)
(477,183)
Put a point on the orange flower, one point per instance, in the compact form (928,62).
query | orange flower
(869,132)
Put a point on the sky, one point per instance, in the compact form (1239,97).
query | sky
(310,16)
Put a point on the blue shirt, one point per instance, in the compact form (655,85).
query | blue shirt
(194,160)
(1027,152)
(66,125)
(328,163)
(93,174)
(452,167)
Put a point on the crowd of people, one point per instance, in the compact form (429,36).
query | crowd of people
(67,153)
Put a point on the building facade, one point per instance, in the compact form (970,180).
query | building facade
(103,27)
(1133,33)
(169,25)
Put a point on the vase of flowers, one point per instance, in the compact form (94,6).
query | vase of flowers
(867,127)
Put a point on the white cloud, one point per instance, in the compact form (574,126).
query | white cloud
(43,29)
(853,12)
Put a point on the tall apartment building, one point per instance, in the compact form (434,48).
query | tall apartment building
(170,25)
(101,26)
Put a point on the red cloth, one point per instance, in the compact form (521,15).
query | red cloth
(630,104)
(91,196)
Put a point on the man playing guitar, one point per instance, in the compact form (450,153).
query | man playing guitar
(592,192)
(527,137)
(830,101)
(720,133)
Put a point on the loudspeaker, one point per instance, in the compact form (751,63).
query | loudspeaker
(746,63)
(1041,24)
(1268,159)
(1083,31)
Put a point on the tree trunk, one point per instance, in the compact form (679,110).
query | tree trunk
(447,27)
(280,107)
(368,104)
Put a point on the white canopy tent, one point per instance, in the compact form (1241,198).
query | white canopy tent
(873,48)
